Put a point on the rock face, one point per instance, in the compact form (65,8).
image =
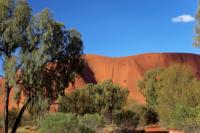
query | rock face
(125,71)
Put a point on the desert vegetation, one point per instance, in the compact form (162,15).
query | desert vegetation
(86,110)
(173,93)
(103,100)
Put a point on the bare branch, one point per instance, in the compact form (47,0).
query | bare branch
(2,59)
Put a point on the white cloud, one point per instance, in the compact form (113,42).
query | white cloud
(185,18)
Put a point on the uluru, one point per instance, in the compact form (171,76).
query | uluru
(124,71)
(127,71)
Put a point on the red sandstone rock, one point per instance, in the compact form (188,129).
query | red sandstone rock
(125,71)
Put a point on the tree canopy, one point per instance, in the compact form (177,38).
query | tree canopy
(173,93)
(40,56)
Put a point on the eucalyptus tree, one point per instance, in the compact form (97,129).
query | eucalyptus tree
(40,56)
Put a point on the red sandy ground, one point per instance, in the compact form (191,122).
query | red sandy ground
(158,129)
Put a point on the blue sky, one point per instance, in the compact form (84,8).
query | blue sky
(126,27)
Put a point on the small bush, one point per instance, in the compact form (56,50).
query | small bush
(79,102)
(151,116)
(69,123)
(185,118)
(126,119)
(147,114)
(100,98)
(173,93)
(91,121)
(59,123)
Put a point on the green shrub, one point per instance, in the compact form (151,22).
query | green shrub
(103,97)
(147,114)
(149,85)
(185,118)
(59,123)
(38,107)
(1,120)
(91,121)
(126,119)
(173,93)
(151,116)
(79,102)
(69,123)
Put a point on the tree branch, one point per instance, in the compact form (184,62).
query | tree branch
(2,60)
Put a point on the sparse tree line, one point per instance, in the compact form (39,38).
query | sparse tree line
(87,109)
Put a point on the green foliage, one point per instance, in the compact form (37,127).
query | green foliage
(126,119)
(180,87)
(138,109)
(59,123)
(186,118)
(151,116)
(68,123)
(91,121)
(147,114)
(196,41)
(113,97)
(149,85)
(50,57)
(79,102)
(38,107)
(30,42)
(103,97)
(40,56)
(177,96)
